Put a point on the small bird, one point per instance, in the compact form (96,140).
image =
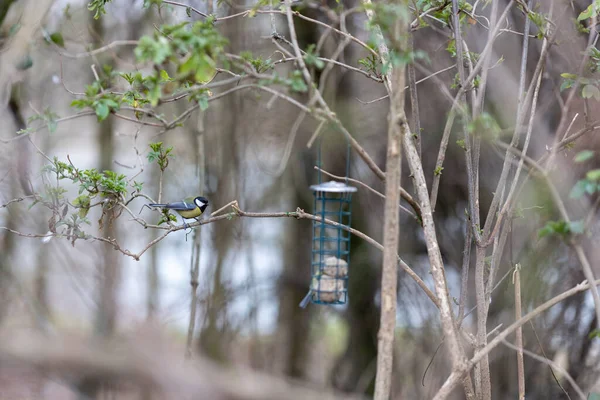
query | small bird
(188,209)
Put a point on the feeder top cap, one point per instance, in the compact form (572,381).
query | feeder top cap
(333,187)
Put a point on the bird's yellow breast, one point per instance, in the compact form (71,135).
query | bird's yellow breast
(196,212)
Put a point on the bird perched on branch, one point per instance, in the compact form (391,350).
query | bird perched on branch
(188,209)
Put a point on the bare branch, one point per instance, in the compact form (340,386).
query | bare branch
(457,374)
(371,190)
(585,264)
(193,9)
(397,128)
(520,350)
(519,335)
(102,49)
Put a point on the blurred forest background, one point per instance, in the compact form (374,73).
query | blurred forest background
(252,273)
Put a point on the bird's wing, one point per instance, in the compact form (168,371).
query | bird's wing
(181,206)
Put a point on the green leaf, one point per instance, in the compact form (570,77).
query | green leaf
(567,84)
(52,125)
(297,82)
(111,103)
(541,22)
(578,190)
(589,91)
(545,231)
(14,29)
(203,103)
(554,228)
(25,63)
(577,227)
(36,201)
(451,48)
(206,69)
(67,12)
(164,76)
(566,75)
(202,66)
(93,89)
(311,57)
(83,203)
(588,12)
(80,103)
(98,7)
(148,3)
(583,156)
(485,124)
(138,186)
(57,38)
(83,212)
(149,49)
(593,175)
(24,131)
(154,95)
(102,111)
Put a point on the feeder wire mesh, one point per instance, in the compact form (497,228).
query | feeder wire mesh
(330,242)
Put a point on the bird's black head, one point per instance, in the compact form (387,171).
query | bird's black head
(201,202)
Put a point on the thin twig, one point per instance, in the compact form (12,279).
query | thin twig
(237,212)
(537,338)
(414,98)
(464,281)
(368,188)
(519,333)
(226,206)
(552,364)
(457,105)
(508,204)
(17,200)
(331,61)
(458,373)
(585,264)
(435,258)
(514,141)
(187,6)
(315,134)
(34,130)
(194,274)
(102,49)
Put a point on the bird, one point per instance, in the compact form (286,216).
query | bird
(188,209)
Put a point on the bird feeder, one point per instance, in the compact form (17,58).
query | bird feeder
(331,243)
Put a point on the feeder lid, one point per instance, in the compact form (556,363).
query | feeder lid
(333,187)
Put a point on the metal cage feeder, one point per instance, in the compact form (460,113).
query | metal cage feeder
(331,243)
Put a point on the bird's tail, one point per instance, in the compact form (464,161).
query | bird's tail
(306,300)
(156,205)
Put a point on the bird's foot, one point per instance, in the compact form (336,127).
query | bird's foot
(186,227)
